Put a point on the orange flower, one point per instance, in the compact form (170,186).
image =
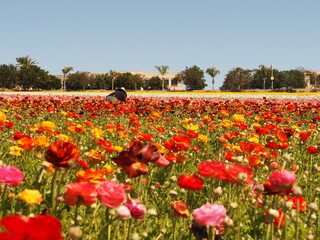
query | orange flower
(26,143)
(3,118)
(180,209)
(61,153)
(94,176)
(41,141)
(227,124)
(48,126)
(97,132)
(107,169)
(96,155)
(111,128)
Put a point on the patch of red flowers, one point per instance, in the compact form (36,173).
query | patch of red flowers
(191,182)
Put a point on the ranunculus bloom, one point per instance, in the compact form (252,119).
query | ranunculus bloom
(42,227)
(111,193)
(275,216)
(229,173)
(31,196)
(210,214)
(11,176)
(162,161)
(298,203)
(180,209)
(80,193)
(191,182)
(94,176)
(137,209)
(178,143)
(281,180)
(61,153)
(312,150)
(135,161)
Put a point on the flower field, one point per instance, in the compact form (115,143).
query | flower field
(178,166)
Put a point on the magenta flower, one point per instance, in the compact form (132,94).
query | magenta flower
(111,193)
(11,176)
(137,209)
(80,193)
(210,214)
(280,180)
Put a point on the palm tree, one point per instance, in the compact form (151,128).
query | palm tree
(65,71)
(113,75)
(265,72)
(25,61)
(212,72)
(162,70)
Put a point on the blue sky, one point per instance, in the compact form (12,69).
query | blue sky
(102,35)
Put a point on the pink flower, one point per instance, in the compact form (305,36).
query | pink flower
(162,161)
(123,212)
(137,209)
(210,214)
(111,193)
(11,176)
(281,180)
(80,193)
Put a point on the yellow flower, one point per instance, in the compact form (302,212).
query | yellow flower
(187,120)
(48,126)
(254,139)
(191,127)
(66,138)
(238,118)
(161,149)
(15,150)
(63,113)
(258,118)
(107,169)
(30,196)
(97,132)
(227,124)
(118,148)
(203,138)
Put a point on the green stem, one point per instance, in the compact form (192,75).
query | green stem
(53,192)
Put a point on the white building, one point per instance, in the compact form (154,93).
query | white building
(312,79)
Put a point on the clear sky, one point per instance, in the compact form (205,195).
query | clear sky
(102,35)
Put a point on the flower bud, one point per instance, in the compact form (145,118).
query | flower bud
(123,212)
(286,157)
(313,206)
(234,205)
(135,236)
(296,191)
(273,213)
(75,232)
(152,212)
(218,191)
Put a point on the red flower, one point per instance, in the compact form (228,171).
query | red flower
(42,227)
(229,173)
(134,162)
(178,143)
(80,193)
(61,153)
(312,150)
(298,203)
(191,182)
(275,216)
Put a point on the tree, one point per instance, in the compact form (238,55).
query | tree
(65,71)
(79,81)
(163,70)
(8,76)
(212,72)
(34,77)
(237,79)
(25,62)
(291,79)
(154,83)
(193,78)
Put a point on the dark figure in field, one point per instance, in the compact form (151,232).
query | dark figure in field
(119,94)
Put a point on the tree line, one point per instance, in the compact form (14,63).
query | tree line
(26,74)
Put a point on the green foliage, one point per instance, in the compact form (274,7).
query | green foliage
(8,76)
(154,83)
(102,81)
(212,72)
(79,81)
(237,79)
(37,78)
(129,81)
(193,78)
(291,78)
